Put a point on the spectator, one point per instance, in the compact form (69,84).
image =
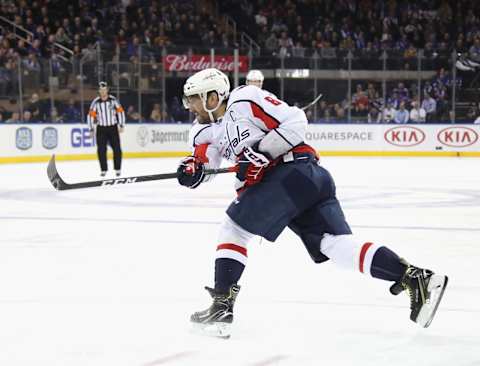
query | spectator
(62,38)
(417,114)
(339,111)
(374,116)
(324,112)
(35,47)
(372,94)
(472,112)
(402,115)
(271,44)
(133,46)
(178,112)
(156,114)
(474,51)
(443,106)
(210,39)
(27,117)
(71,113)
(58,70)
(360,101)
(410,52)
(430,106)
(54,117)
(166,118)
(22,48)
(15,118)
(298,50)
(78,27)
(32,64)
(261,19)
(153,72)
(133,115)
(395,100)
(34,108)
(389,113)
(286,44)
(428,88)
(31,71)
(402,92)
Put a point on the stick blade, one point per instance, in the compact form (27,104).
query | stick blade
(53,175)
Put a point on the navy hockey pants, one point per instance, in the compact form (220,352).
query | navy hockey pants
(298,194)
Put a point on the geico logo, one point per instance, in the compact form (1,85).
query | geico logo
(404,136)
(112,182)
(457,136)
(82,137)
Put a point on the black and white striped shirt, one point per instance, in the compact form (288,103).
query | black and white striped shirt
(107,112)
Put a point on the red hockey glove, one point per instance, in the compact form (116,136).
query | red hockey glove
(190,173)
(251,167)
(191,170)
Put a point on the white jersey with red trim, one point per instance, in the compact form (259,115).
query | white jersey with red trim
(251,114)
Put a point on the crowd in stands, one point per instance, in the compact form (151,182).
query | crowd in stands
(156,115)
(127,29)
(126,24)
(38,111)
(291,27)
(82,25)
(41,111)
(401,104)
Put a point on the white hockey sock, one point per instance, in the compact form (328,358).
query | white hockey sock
(349,253)
(231,254)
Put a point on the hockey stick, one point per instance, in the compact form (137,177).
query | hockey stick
(312,102)
(61,185)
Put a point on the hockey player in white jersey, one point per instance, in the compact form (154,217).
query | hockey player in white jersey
(255,77)
(280,183)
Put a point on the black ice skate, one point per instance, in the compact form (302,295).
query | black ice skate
(216,321)
(425,290)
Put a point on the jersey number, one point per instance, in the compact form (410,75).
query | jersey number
(273,101)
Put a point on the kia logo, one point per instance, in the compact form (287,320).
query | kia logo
(457,136)
(404,136)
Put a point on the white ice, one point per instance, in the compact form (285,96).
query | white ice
(109,276)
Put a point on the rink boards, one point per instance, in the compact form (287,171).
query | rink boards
(37,142)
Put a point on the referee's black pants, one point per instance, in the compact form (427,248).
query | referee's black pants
(109,135)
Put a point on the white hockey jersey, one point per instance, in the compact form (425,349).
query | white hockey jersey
(250,115)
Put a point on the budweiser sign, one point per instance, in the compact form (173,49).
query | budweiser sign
(200,62)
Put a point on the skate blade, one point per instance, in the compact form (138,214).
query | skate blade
(436,287)
(217,330)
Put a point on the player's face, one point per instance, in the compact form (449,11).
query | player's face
(195,106)
(257,83)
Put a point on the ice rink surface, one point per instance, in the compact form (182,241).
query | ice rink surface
(109,276)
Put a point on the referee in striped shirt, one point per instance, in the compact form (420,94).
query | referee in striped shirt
(107,118)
